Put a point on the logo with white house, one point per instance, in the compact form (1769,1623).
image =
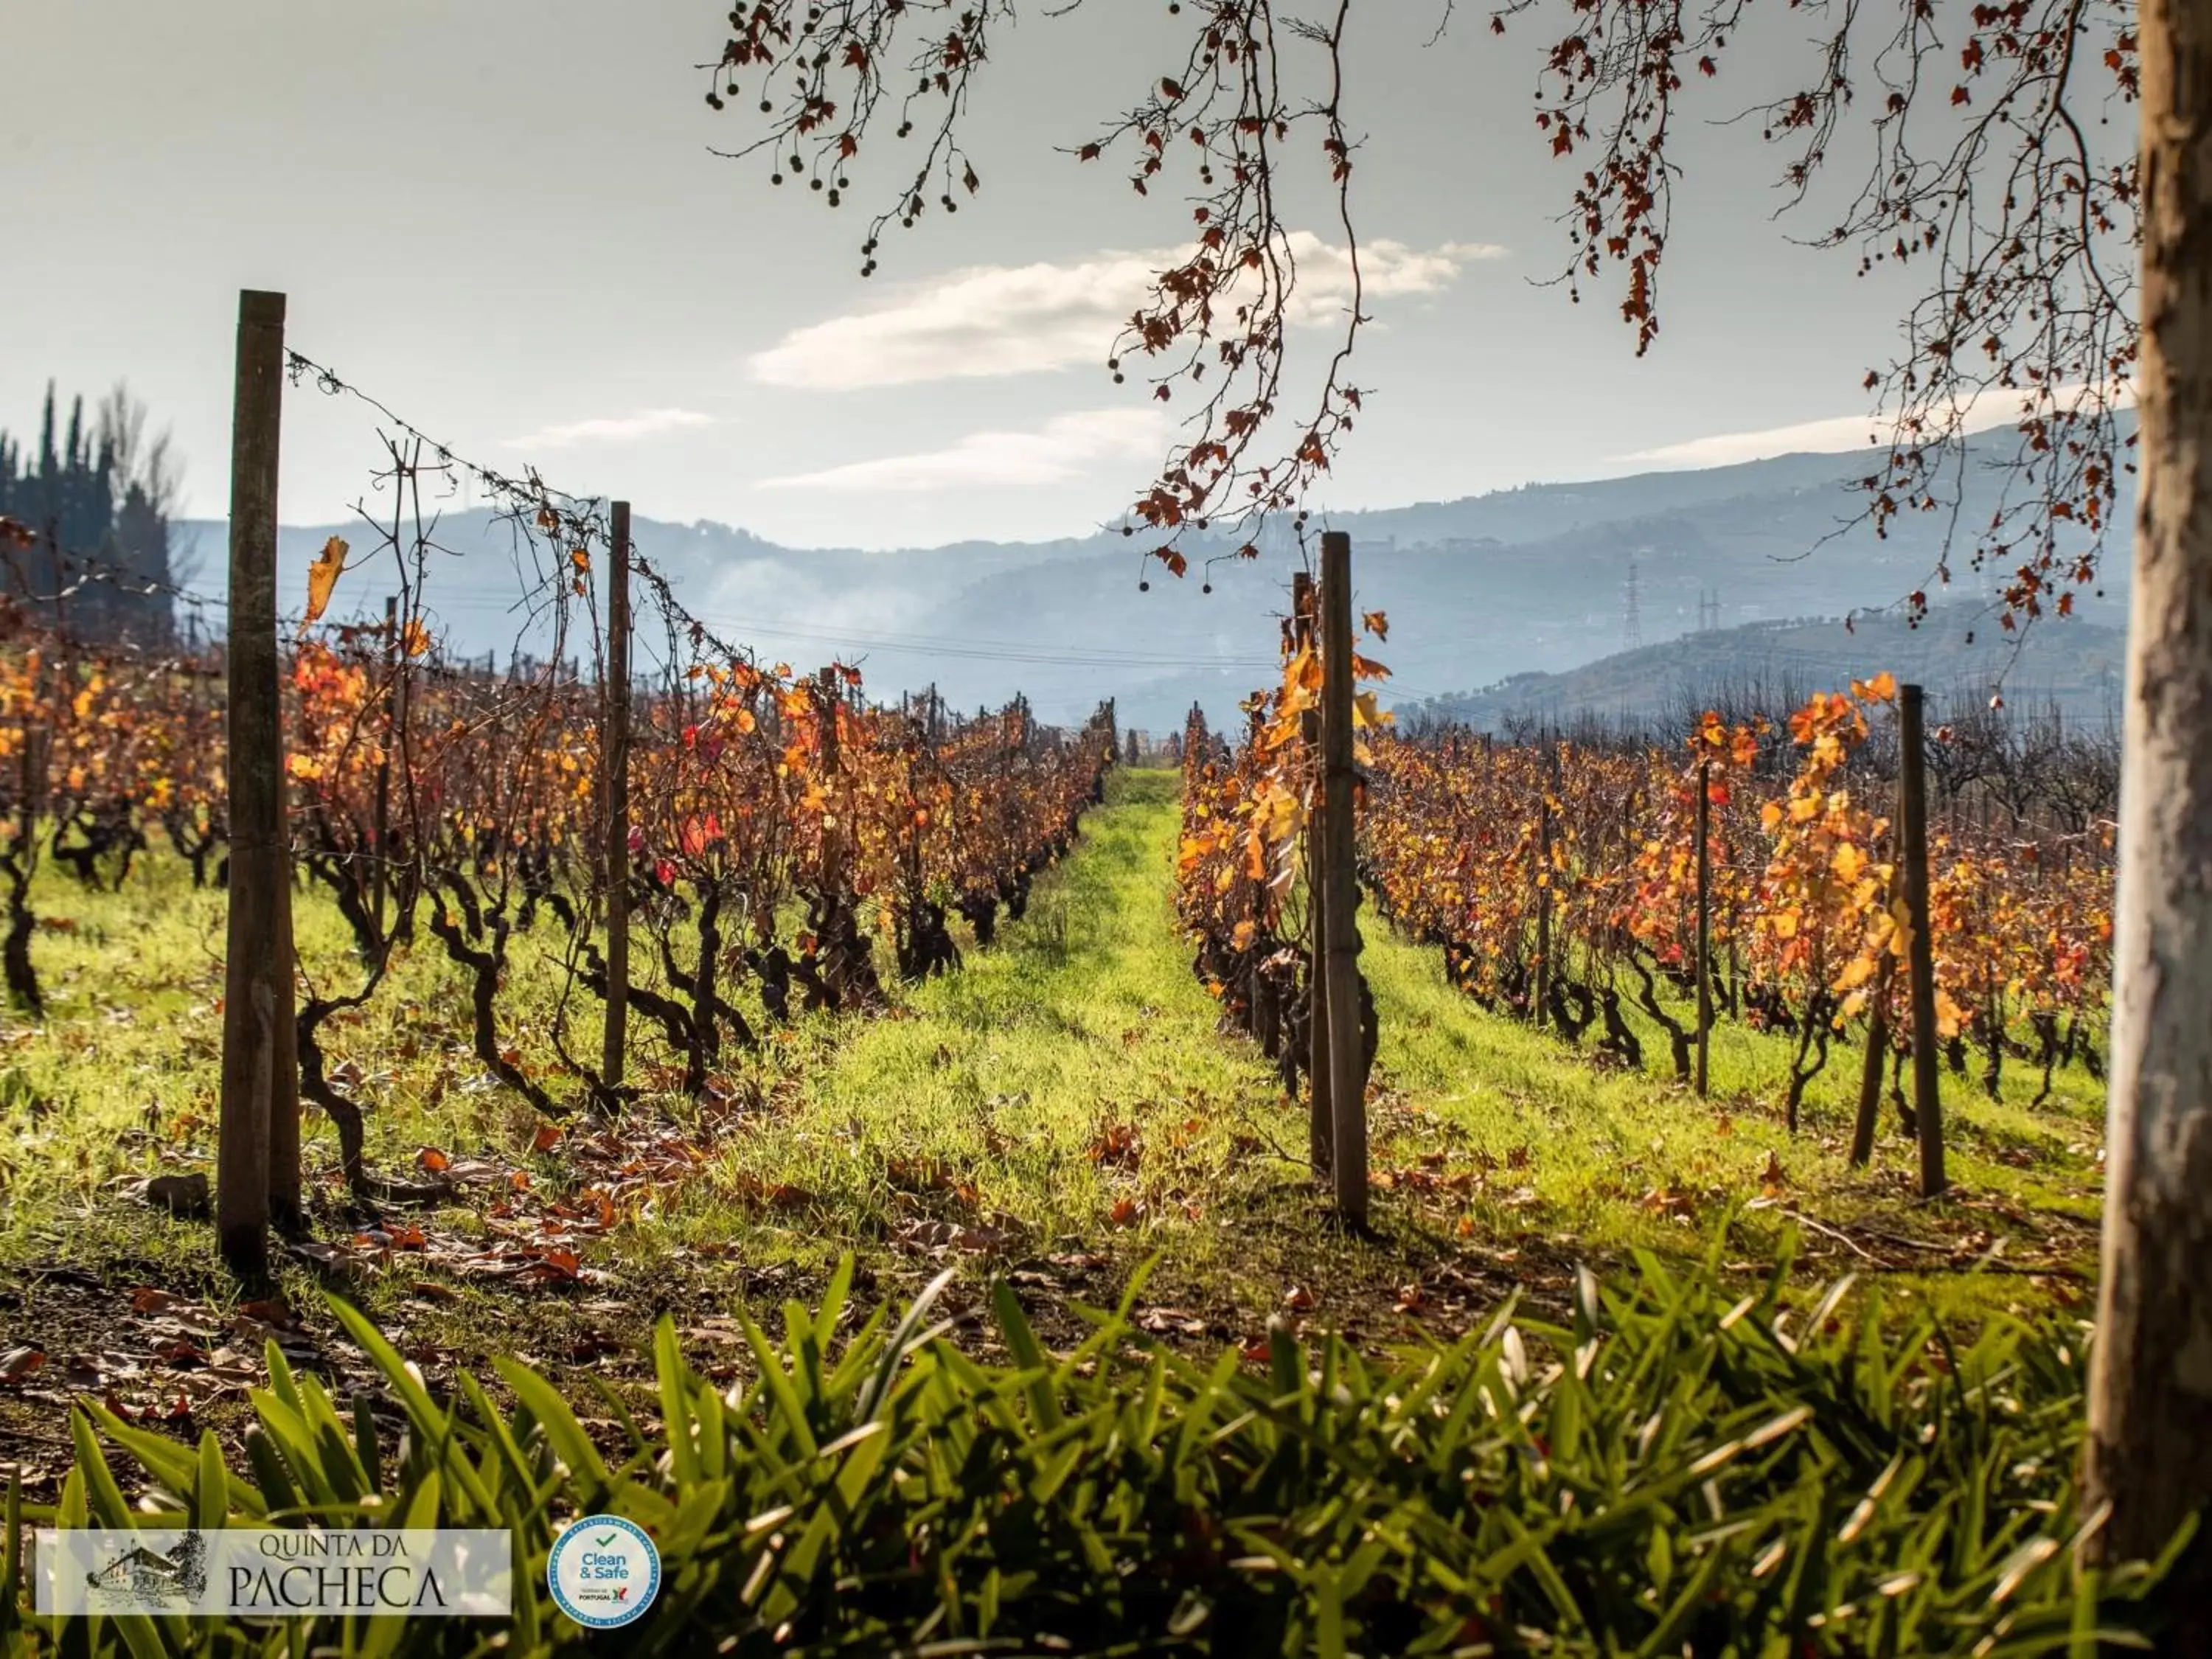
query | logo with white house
(152,1580)
(277,1572)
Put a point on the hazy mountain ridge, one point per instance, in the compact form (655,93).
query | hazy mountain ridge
(1519,581)
(2077,665)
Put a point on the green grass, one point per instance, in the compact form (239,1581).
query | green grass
(1676,1488)
(1004,1080)
(1061,1108)
(1613,1160)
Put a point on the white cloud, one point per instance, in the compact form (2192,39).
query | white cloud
(1063,447)
(1019,319)
(1991,408)
(1725,449)
(615,430)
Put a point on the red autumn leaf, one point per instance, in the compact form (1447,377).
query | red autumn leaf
(272,1310)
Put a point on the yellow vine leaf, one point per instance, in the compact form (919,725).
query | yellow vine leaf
(323,576)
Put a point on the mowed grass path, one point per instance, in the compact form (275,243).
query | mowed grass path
(1067,1085)
(1070,1089)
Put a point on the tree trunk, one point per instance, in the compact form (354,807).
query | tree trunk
(2150,1401)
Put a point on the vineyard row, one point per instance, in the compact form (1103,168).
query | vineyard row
(783,833)
(1562,884)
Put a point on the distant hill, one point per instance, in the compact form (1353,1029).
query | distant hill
(1531,581)
(2077,666)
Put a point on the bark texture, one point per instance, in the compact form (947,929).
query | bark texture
(2150,1414)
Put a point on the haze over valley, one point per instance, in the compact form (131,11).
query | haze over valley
(1533,582)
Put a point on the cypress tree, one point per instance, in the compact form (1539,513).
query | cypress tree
(97,503)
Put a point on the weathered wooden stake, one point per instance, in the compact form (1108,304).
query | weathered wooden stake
(614,787)
(257,1163)
(1927,1105)
(1339,892)
(1704,923)
(1320,1122)
(825,705)
(382,856)
(1542,1010)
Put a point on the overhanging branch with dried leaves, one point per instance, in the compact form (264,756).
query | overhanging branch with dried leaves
(1988,172)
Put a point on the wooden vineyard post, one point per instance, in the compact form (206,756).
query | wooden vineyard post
(401,701)
(378,870)
(257,1163)
(1339,892)
(615,784)
(1544,891)
(1927,1106)
(1320,1122)
(825,703)
(1704,923)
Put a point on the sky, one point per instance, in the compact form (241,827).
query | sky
(504,219)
